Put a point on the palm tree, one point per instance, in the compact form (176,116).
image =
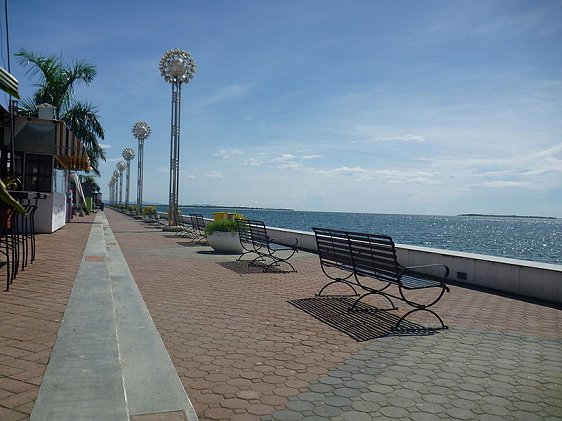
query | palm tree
(56,82)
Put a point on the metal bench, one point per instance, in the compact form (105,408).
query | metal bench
(197,231)
(356,259)
(255,240)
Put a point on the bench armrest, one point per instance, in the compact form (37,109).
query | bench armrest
(412,268)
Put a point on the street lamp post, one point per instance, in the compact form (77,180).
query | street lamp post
(121,167)
(141,131)
(176,67)
(128,154)
(116,178)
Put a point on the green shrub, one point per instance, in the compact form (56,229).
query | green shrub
(225,225)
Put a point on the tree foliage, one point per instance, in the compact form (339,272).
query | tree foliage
(56,81)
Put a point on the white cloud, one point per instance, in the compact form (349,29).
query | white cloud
(307,157)
(214,174)
(405,138)
(227,153)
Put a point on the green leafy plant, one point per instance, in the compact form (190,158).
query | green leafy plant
(149,210)
(7,198)
(11,182)
(224,225)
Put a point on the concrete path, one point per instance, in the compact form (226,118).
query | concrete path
(108,361)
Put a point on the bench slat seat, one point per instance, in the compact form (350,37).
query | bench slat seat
(255,240)
(373,256)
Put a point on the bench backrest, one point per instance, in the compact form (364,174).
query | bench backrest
(244,231)
(374,255)
(197,221)
(333,247)
(259,233)
(252,231)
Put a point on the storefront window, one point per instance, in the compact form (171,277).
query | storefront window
(38,172)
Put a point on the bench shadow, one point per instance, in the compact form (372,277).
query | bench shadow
(242,267)
(193,243)
(363,325)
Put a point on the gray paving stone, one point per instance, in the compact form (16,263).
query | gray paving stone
(393,412)
(327,410)
(527,406)
(286,415)
(401,402)
(432,408)
(373,397)
(357,384)
(434,398)
(460,414)
(299,406)
(321,388)
(365,406)
(381,388)
(495,409)
(424,416)
(338,401)
(356,416)
(347,392)
(311,396)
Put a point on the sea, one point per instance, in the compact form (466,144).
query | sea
(525,238)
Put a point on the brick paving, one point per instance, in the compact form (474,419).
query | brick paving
(30,315)
(244,353)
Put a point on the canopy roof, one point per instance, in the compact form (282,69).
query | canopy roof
(8,83)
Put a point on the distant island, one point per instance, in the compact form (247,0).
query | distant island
(235,207)
(508,216)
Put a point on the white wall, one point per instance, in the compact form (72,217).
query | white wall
(51,213)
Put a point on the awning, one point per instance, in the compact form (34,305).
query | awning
(8,83)
(70,153)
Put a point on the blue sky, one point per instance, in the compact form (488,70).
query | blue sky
(424,107)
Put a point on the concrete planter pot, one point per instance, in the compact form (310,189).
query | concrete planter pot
(225,242)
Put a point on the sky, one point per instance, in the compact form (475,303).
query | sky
(408,107)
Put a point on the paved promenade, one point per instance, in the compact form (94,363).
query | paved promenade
(243,352)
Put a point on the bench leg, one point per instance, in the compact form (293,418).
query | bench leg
(397,328)
(354,306)
(335,281)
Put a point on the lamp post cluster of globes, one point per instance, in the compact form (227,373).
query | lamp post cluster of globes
(176,67)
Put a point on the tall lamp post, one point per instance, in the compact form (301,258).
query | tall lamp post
(110,185)
(141,131)
(121,166)
(176,67)
(128,154)
(116,178)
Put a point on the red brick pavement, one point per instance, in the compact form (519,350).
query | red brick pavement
(30,315)
(240,349)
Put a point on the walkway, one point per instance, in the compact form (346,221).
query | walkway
(243,352)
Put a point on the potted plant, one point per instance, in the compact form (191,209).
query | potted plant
(149,212)
(223,234)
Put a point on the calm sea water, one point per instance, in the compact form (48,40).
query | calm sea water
(519,238)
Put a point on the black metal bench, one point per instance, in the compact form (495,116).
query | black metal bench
(197,231)
(255,240)
(357,258)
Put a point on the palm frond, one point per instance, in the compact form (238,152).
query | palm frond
(28,107)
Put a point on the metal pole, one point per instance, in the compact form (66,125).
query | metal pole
(140,177)
(174,155)
(120,187)
(128,183)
